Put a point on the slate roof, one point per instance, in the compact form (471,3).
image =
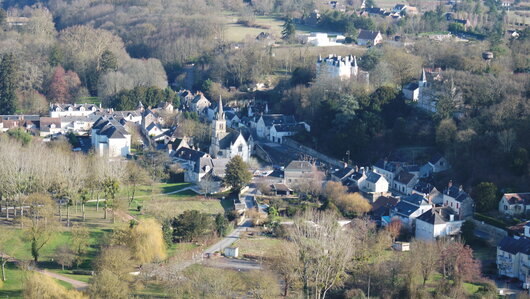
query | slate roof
(435,158)
(437,215)
(276,119)
(424,187)
(412,86)
(373,177)
(388,166)
(299,165)
(113,130)
(384,201)
(514,246)
(415,199)
(229,139)
(456,193)
(404,177)
(289,128)
(368,34)
(281,187)
(343,173)
(405,209)
(518,198)
(185,153)
(356,176)
(75,107)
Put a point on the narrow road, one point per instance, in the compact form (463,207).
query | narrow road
(230,239)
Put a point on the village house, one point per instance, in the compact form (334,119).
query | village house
(436,164)
(60,110)
(266,121)
(340,175)
(369,38)
(28,123)
(428,191)
(110,138)
(50,126)
(195,163)
(437,223)
(374,183)
(278,132)
(513,257)
(381,209)
(409,208)
(457,199)
(298,172)
(388,169)
(404,182)
(281,189)
(199,103)
(515,204)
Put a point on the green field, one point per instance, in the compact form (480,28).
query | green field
(273,24)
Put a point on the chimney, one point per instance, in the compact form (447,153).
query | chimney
(450,184)
(460,188)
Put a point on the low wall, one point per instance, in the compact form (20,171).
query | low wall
(309,151)
(496,234)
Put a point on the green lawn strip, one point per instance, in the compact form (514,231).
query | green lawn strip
(12,287)
(258,246)
(152,290)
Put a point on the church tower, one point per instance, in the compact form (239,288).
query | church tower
(218,129)
(219,122)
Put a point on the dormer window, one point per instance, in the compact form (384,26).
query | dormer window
(240,149)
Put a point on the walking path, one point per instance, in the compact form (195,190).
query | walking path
(79,285)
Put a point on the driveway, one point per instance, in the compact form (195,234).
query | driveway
(230,239)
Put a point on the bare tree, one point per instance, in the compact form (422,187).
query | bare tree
(324,251)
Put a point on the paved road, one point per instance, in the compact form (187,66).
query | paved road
(228,240)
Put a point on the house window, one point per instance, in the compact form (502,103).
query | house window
(240,148)
(451,204)
(505,207)
(457,206)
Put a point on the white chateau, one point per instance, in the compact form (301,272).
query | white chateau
(335,66)
(228,144)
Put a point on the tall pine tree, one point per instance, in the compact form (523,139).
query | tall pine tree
(8,84)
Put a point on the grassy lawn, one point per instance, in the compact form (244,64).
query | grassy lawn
(258,246)
(12,287)
(238,32)
(88,100)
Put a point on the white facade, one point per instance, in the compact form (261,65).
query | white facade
(335,66)
(429,232)
(59,110)
(515,204)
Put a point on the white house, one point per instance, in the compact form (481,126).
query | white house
(50,126)
(266,121)
(457,199)
(199,103)
(404,182)
(110,138)
(369,38)
(374,183)
(513,258)
(278,132)
(437,222)
(58,110)
(436,164)
(515,204)
(388,169)
(409,208)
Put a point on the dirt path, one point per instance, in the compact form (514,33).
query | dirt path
(79,285)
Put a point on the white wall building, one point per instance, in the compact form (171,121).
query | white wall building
(436,223)
(110,138)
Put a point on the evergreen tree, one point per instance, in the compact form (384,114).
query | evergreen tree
(8,84)
(485,196)
(108,62)
(237,173)
(289,29)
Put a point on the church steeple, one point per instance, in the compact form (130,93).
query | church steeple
(220,113)
(423,79)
